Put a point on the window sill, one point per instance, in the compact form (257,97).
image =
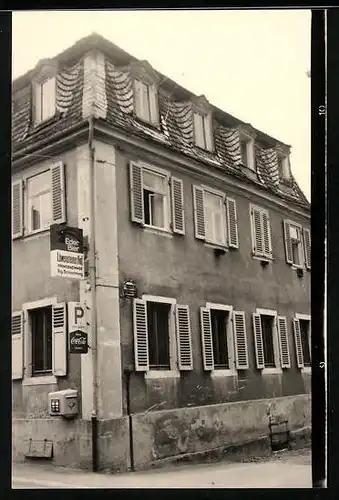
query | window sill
(223,373)
(155,374)
(44,380)
(295,267)
(264,258)
(216,246)
(31,235)
(271,371)
(156,230)
(306,369)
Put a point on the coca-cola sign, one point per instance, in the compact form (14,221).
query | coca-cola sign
(78,342)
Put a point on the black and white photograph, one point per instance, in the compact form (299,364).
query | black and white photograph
(161,249)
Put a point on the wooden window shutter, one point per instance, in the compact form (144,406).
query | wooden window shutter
(17,209)
(298,343)
(199,133)
(307,247)
(184,338)
(240,338)
(136,194)
(59,340)
(257,240)
(140,331)
(283,341)
(258,341)
(199,212)
(17,346)
(209,132)
(58,193)
(153,104)
(232,224)
(206,336)
(178,214)
(288,242)
(266,228)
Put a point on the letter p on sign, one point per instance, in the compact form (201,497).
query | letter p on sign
(76,317)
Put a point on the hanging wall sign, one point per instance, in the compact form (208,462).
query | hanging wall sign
(67,252)
(77,328)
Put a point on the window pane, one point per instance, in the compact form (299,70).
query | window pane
(157,210)
(243,147)
(158,334)
(219,335)
(39,183)
(39,201)
(48,98)
(294,233)
(154,182)
(296,253)
(214,218)
(267,333)
(41,330)
(304,332)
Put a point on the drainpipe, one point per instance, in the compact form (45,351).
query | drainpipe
(128,404)
(92,280)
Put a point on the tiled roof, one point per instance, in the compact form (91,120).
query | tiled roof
(175,130)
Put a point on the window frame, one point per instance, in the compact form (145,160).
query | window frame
(231,371)
(301,249)
(28,378)
(276,348)
(306,317)
(152,92)
(248,139)
(173,372)
(255,254)
(285,172)
(221,195)
(206,131)
(38,94)
(167,202)
(27,214)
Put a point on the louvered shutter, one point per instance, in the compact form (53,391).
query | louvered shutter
(59,340)
(298,343)
(209,132)
(17,209)
(240,339)
(199,135)
(136,194)
(288,242)
(140,331)
(17,346)
(178,206)
(258,341)
(232,224)
(153,104)
(257,240)
(307,247)
(266,228)
(199,212)
(184,338)
(283,341)
(58,193)
(206,336)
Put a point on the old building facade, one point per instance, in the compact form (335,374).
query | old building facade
(196,210)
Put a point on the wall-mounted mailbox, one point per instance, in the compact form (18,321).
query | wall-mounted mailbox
(63,403)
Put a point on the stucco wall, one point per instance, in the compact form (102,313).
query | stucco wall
(177,266)
(31,281)
(164,434)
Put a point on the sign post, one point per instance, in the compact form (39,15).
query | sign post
(67,253)
(77,328)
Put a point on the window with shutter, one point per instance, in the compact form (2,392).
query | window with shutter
(261,232)
(293,243)
(59,338)
(258,341)
(307,247)
(17,345)
(17,209)
(45,99)
(41,326)
(305,334)
(232,224)
(240,338)
(178,206)
(184,338)
(298,343)
(146,102)
(207,341)
(283,341)
(203,135)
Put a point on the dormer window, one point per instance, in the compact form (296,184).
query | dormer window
(146,102)
(283,166)
(44,99)
(247,151)
(203,137)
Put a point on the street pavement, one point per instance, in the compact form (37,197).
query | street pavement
(285,470)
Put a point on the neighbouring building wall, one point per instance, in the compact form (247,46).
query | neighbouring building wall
(176,266)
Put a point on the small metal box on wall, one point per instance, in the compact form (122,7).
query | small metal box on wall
(63,403)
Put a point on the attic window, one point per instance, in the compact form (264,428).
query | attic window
(283,166)
(146,102)
(203,136)
(247,151)
(44,99)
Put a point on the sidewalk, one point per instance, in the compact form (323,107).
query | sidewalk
(286,471)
